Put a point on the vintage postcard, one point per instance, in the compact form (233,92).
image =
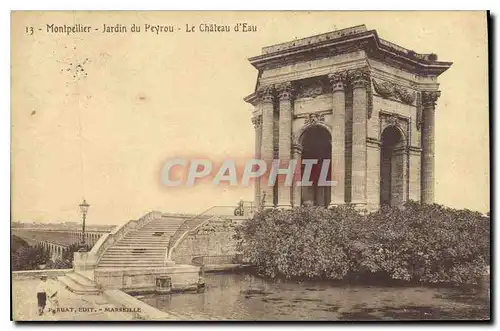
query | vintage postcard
(250,166)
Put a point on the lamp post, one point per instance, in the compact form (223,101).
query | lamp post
(84,207)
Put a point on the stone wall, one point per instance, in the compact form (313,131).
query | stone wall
(36,274)
(215,238)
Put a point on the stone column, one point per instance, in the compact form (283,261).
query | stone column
(285,141)
(257,124)
(337,192)
(429,99)
(266,94)
(360,79)
(297,190)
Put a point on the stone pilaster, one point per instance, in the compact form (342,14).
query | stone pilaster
(414,181)
(285,92)
(429,99)
(257,124)
(338,81)
(296,189)
(266,95)
(359,79)
(373,174)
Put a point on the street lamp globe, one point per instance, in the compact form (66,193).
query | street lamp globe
(84,207)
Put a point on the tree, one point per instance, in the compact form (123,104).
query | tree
(29,258)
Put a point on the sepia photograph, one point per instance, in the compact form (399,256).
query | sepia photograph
(250,166)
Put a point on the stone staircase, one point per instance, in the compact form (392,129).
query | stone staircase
(78,283)
(142,248)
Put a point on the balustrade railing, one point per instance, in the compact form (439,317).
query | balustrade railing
(194,222)
(89,260)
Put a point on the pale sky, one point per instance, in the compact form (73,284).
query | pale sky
(148,97)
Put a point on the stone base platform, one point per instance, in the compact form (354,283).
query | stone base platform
(144,280)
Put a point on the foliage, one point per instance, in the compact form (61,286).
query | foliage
(16,243)
(415,243)
(29,258)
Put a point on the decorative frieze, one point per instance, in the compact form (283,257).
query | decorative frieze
(314,118)
(384,89)
(404,95)
(390,90)
(307,89)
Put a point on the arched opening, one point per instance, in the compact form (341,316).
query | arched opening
(392,172)
(316,145)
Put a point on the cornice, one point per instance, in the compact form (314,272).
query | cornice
(368,41)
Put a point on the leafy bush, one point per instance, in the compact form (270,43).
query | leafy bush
(29,258)
(428,243)
(416,243)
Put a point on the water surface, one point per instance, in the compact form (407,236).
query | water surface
(247,297)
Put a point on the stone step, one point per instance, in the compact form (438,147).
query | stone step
(131,264)
(135,247)
(135,251)
(151,232)
(77,288)
(142,244)
(134,254)
(81,280)
(130,259)
(128,248)
(149,235)
(155,249)
(142,241)
(149,239)
(161,225)
(158,227)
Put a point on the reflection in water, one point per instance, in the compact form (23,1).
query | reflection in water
(246,297)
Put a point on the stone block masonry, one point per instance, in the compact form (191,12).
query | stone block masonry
(366,104)
(212,239)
